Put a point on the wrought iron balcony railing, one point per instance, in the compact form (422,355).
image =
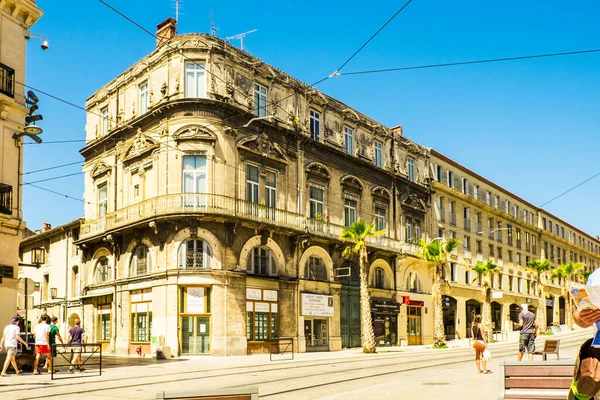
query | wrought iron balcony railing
(219,205)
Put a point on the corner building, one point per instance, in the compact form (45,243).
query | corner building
(213,233)
(494,224)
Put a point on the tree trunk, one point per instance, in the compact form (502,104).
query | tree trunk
(366,323)
(487,315)
(541,310)
(568,309)
(439,336)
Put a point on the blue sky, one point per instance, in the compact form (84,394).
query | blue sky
(531,126)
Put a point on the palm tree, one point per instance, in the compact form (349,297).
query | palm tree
(358,234)
(486,272)
(564,272)
(540,269)
(436,253)
(584,275)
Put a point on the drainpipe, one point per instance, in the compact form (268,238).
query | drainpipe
(65,319)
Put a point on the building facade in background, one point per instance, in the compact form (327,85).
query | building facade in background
(15,17)
(216,190)
(57,283)
(494,224)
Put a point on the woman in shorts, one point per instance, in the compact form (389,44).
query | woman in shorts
(480,345)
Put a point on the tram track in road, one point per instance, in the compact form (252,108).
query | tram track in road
(358,363)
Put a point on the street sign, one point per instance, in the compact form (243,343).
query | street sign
(497,295)
(26,286)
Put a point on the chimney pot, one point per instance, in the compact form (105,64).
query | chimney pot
(397,130)
(165,31)
(47,226)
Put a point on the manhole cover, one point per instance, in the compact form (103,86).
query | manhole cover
(435,383)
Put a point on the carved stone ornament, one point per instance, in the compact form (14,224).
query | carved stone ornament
(230,89)
(164,89)
(151,101)
(413,201)
(140,145)
(352,182)
(193,43)
(262,145)
(194,132)
(177,81)
(318,170)
(99,170)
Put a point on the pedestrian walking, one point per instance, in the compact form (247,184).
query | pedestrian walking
(76,336)
(54,333)
(480,345)
(10,338)
(528,334)
(42,339)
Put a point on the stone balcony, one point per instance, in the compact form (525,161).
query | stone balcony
(220,206)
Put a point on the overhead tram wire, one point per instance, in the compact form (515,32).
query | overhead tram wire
(52,178)
(54,167)
(59,194)
(337,71)
(571,189)
(453,64)
(58,141)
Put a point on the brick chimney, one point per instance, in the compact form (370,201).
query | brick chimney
(397,130)
(165,31)
(47,226)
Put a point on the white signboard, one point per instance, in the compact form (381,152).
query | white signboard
(253,294)
(261,307)
(270,295)
(497,295)
(317,305)
(195,300)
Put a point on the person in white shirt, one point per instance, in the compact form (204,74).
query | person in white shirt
(10,338)
(42,341)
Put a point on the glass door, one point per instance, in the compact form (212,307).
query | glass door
(316,334)
(195,335)
(414,326)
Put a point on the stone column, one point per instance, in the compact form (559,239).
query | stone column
(335,336)
(461,318)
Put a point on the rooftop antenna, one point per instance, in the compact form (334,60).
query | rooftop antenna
(177,8)
(241,37)
(213,30)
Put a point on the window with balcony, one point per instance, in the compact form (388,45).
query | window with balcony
(317,204)
(440,205)
(315,269)
(7,80)
(5,199)
(195,254)
(379,278)
(260,100)
(378,153)
(507,206)
(533,244)
(194,178)
(500,253)
(510,256)
(465,186)
(450,178)
(315,125)
(349,140)
(452,210)
(476,192)
(102,199)
(496,202)
(413,283)
(479,246)
(524,215)
(509,234)
(140,261)
(516,211)
(104,121)
(261,262)
(380,216)
(488,198)
(467,218)
(103,271)
(195,79)
(439,173)
(349,211)
(252,180)
(453,272)
(271,189)
(408,236)
(411,169)
(518,236)
(467,243)
(143,89)
(491,247)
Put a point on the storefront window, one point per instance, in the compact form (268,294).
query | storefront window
(194,309)
(103,322)
(261,315)
(141,316)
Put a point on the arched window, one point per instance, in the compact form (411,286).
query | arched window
(413,284)
(261,262)
(140,261)
(315,269)
(195,254)
(103,271)
(379,278)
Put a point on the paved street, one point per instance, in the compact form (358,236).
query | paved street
(396,373)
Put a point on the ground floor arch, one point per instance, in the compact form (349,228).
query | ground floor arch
(472,308)
(449,306)
(496,316)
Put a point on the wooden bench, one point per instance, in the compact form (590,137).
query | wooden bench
(245,393)
(535,380)
(550,347)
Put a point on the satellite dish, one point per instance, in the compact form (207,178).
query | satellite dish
(26,282)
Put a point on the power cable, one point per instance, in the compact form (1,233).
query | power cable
(571,189)
(52,178)
(491,60)
(59,194)
(58,141)
(337,71)
(49,168)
